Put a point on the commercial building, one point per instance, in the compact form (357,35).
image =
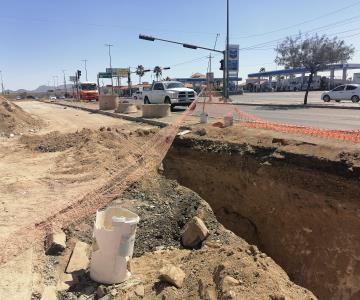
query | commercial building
(287,79)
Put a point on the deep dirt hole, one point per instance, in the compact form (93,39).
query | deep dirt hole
(297,209)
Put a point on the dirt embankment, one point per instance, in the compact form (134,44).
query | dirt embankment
(14,119)
(164,208)
(298,201)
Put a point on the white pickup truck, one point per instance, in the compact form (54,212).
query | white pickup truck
(171,92)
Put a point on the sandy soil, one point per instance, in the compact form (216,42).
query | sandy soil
(35,180)
(14,120)
(295,197)
(50,167)
(326,148)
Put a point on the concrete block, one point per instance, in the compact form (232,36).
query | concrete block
(156,110)
(228,121)
(79,260)
(126,108)
(108,102)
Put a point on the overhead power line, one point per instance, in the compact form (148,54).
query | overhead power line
(299,24)
(317,29)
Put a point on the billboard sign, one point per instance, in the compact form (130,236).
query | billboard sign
(234,58)
(104,75)
(121,72)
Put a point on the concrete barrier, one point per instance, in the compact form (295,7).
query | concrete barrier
(155,110)
(108,102)
(126,108)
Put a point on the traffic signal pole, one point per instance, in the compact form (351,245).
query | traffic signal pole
(227,52)
(190,46)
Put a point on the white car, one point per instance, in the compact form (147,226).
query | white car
(343,92)
(170,92)
(52,98)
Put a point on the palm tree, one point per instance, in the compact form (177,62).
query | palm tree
(140,71)
(158,72)
(262,70)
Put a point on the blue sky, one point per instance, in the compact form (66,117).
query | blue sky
(41,38)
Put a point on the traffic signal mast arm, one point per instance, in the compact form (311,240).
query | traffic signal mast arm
(190,46)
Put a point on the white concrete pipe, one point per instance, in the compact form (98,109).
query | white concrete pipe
(114,237)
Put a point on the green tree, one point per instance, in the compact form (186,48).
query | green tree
(140,71)
(312,53)
(158,72)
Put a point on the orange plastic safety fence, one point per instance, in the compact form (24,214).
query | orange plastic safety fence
(141,160)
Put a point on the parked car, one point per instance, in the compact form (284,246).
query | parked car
(52,98)
(343,92)
(171,92)
(18,97)
(137,95)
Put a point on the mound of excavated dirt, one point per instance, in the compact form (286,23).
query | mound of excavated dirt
(89,154)
(297,200)
(164,208)
(14,119)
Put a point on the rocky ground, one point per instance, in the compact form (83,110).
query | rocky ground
(295,197)
(176,255)
(223,266)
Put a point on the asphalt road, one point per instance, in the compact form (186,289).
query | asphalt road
(288,98)
(280,97)
(345,119)
(286,107)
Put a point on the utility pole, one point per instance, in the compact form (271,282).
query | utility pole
(2,83)
(210,56)
(54,82)
(85,61)
(227,52)
(112,81)
(65,83)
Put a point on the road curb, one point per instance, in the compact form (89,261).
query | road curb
(296,105)
(114,115)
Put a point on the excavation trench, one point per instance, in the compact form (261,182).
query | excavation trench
(301,210)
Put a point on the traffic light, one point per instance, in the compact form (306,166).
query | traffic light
(78,73)
(222,65)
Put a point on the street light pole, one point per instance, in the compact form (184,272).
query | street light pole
(54,84)
(112,81)
(2,83)
(227,52)
(65,83)
(85,61)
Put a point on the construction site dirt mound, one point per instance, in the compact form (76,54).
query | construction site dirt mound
(14,120)
(87,154)
(164,208)
(297,199)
